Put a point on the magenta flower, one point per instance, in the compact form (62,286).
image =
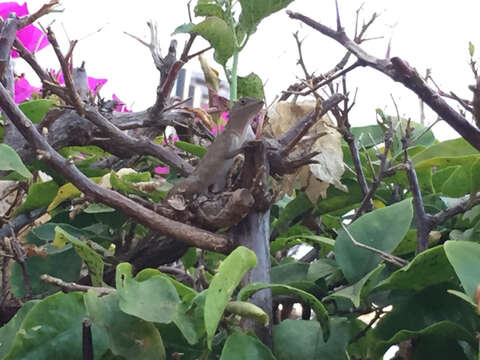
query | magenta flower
(221,127)
(162,170)
(30,36)
(94,84)
(23,90)
(121,107)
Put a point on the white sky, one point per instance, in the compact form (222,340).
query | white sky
(426,33)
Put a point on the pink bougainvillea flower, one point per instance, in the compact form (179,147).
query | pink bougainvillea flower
(221,127)
(121,107)
(162,170)
(23,89)
(30,36)
(94,84)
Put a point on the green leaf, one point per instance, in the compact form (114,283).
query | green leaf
(53,329)
(253,11)
(189,318)
(128,336)
(281,242)
(250,85)
(248,310)
(219,35)
(338,201)
(183,290)
(302,339)
(240,346)
(193,149)
(358,291)
(430,312)
(35,110)
(124,185)
(300,205)
(368,136)
(428,268)
(39,195)
(464,257)
(9,330)
(92,259)
(209,10)
(279,289)
(382,229)
(9,160)
(189,259)
(63,263)
(223,284)
(184,29)
(471,48)
(321,268)
(135,298)
(449,148)
(440,338)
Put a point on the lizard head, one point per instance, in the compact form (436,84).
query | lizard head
(243,112)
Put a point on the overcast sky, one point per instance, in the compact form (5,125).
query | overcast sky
(428,34)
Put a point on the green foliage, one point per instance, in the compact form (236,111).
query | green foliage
(199,310)
(9,160)
(223,284)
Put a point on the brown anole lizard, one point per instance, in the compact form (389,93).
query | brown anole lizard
(211,171)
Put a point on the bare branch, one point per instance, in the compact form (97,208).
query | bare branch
(93,192)
(398,70)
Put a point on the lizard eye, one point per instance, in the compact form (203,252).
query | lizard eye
(243,101)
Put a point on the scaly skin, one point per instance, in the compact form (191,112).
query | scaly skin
(211,171)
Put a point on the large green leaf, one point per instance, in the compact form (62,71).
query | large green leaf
(253,11)
(279,289)
(39,195)
(183,290)
(223,284)
(9,331)
(189,318)
(217,32)
(432,311)
(358,291)
(53,329)
(250,85)
(9,160)
(368,136)
(136,298)
(428,268)
(240,347)
(382,229)
(464,257)
(128,336)
(455,147)
(302,339)
(209,9)
(35,110)
(63,263)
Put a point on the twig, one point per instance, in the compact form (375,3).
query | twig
(388,139)
(460,208)
(392,259)
(44,10)
(19,256)
(67,74)
(363,332)
(71,286)
(398,70)
(422,218)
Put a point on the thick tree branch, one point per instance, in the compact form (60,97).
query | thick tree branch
(189,234)
(398,70)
